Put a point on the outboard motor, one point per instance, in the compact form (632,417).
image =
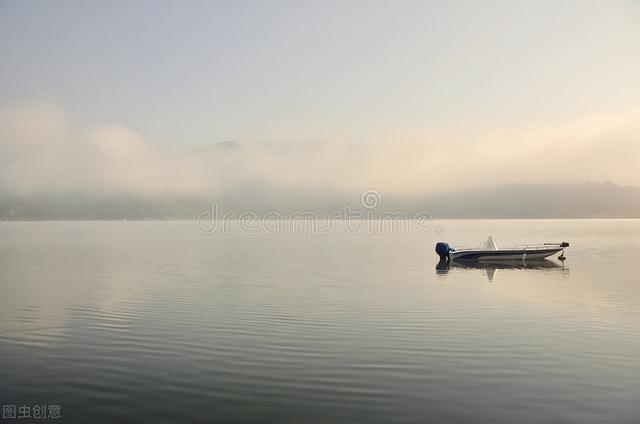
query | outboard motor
(443,249)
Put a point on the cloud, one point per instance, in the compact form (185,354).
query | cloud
(42,149)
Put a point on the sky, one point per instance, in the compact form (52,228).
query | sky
(409,98)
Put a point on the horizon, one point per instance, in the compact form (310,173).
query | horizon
(511,201)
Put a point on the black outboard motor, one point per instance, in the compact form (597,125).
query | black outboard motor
(443,249)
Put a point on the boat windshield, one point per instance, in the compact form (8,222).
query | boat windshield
(489,244)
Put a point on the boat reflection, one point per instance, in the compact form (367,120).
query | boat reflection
(490,268)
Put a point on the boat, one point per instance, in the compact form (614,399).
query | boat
(489,252)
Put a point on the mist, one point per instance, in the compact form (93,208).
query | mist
(43,150)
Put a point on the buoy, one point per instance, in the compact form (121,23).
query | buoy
(562,257)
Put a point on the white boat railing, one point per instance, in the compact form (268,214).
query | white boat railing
(535,246)
(539,246)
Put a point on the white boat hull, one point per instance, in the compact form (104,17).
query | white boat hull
(503,254)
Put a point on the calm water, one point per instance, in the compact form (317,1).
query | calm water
(154,322)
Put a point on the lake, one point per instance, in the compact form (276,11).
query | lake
(157,322)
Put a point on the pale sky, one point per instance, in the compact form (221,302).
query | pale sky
(478,89)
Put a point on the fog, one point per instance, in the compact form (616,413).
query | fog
(42,149)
